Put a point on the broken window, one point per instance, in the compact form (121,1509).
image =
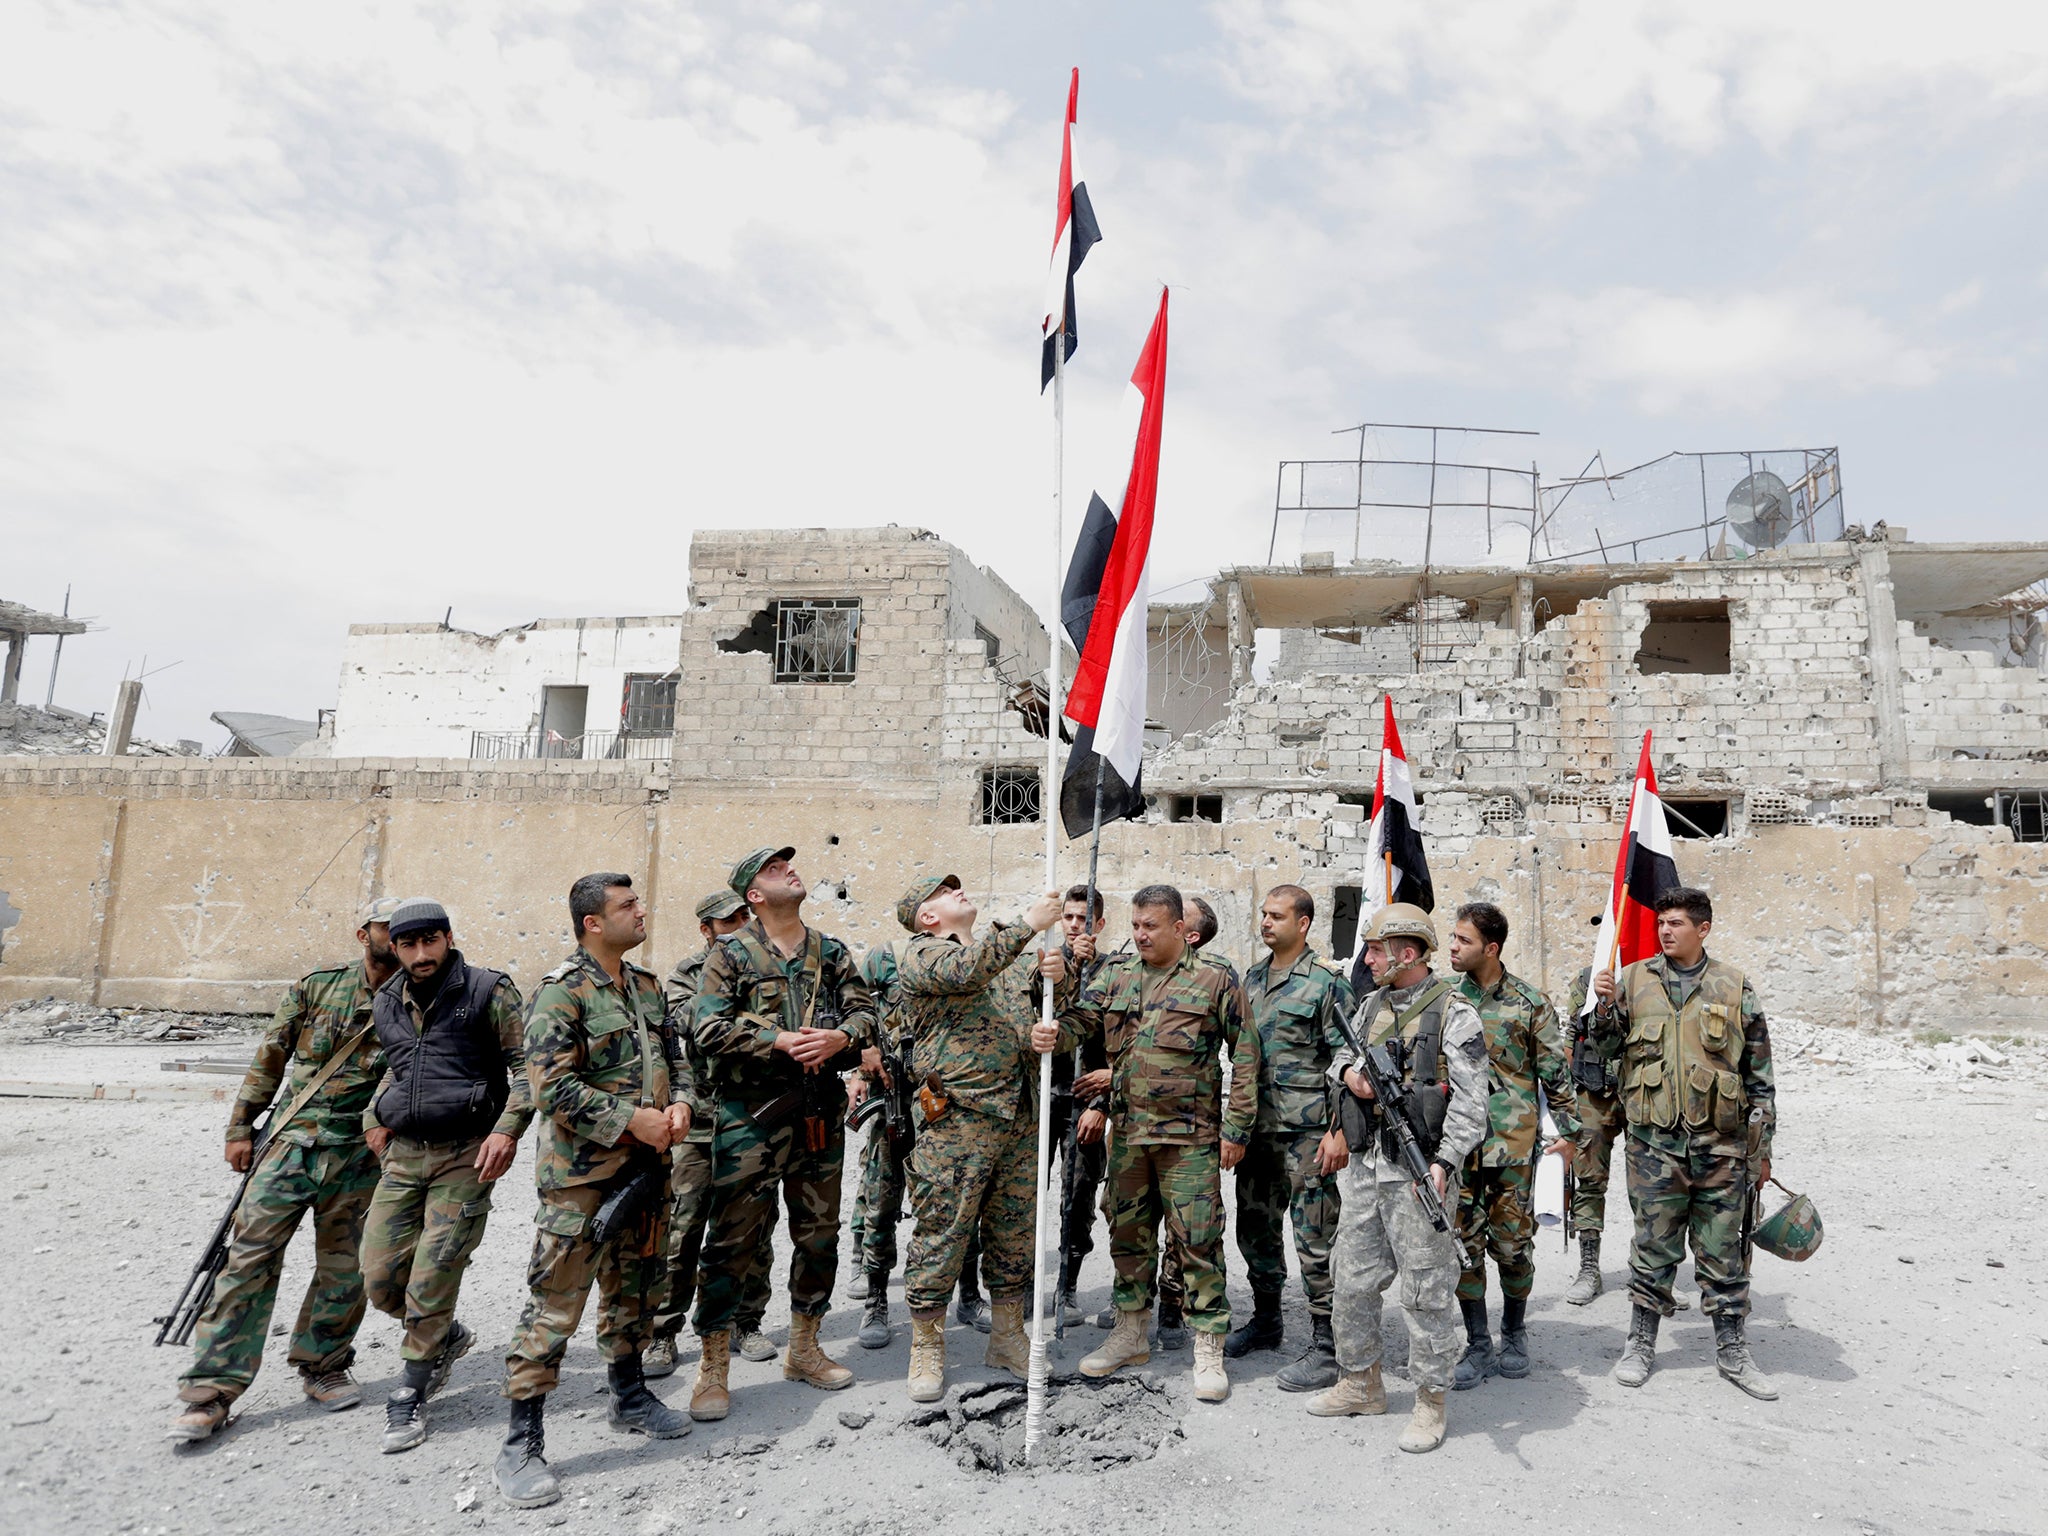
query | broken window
(1009,796)
(1344,905)
(2026,812)
(1975,809)
(990,645)
(1696,818)
(815,639)
(1689,637)
(1193,807)
(648,707)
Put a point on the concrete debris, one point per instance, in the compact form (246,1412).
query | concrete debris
(1088,1425)
(52,1022)
(26,731)
(1793,1042)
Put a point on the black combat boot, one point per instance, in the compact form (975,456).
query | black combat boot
(1731,1354)
(637,1410)
(874,1322)
(405,1417)
(1316,1369)
(1070,1300)
(1262,1331)
(1637,1360)
(522,1471)
(1477,1363)
(1513,1361)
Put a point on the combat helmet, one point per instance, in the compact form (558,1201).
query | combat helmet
(1792,1231)
(1401,920)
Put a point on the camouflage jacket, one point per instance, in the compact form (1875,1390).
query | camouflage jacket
(319,1013)
(692,1084)
(1522,1046)
(507,1021)
(1610,1033)
(1573,1024)
(1463,1064)
(749,993)
(1165,1033)
(1300,1016)
(595,1052)
(972,1018)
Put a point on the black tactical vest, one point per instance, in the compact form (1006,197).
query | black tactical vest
(449,1082)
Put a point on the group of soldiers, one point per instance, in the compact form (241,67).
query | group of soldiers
(673,1121)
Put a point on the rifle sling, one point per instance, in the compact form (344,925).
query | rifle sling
(327,1069)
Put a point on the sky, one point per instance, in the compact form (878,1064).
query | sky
(314,315)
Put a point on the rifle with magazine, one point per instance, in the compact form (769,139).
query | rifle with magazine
(1394,1112)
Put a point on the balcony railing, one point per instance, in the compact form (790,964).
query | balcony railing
(592,746)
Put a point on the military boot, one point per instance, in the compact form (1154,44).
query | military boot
(1352,1392)
(1126,1345)
(405,1415)
(874,1321)
(1477,1363)
(927,1379)
(751,1342)
(1426,1426)
(1009,1349)
(1070,1300)
(1731,1354)
(971,1309)
(1633,1369)
(710,1398)
(806,1361)
(458,1343)
(1316,1367)
(1263,1331)
(1212,1381)
(332,1390)
(522,1471)
(1588,1284)
(1513,1361)
(202,1411)
(660,1358)
(859,1288)
(637,1410)
(1173,1328)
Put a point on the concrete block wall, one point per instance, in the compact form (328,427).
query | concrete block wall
(1969,721)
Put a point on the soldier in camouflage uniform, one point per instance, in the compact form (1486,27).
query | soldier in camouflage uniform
(444,1125)
(598,1061)
(1383,1232)
(765,1022)
(1497,1196)
(1694,1057)
(718,914)
(1298,1004)
(315,1161)
(974,1165)
(1602,1128)
(1165,1018)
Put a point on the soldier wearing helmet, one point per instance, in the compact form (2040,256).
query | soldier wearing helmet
(1382,1231)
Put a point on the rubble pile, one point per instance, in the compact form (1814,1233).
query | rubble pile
(1953,1060)
(1088,1424)
(26,731)
(51,1022)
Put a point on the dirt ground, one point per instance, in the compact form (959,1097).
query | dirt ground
(1910,1353)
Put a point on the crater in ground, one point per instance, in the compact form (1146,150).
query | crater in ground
(1089,1425)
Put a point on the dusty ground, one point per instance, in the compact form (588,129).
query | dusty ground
(1911,1354)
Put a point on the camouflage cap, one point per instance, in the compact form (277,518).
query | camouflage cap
(919,894)
(743,872)
(381,910)
(720,904)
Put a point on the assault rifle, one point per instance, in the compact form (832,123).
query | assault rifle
(896,1102)
(817,1097)
(645,1182)
(176,1325)
(1394,1108)
(1753,1179)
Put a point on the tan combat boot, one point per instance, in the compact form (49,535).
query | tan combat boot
(806,1362)
(927,1379)
(1009,1349)
(1425,1431)
(710,1398)
(201,1412)
(1355,1392)
(1127,1344)
(1212,1382)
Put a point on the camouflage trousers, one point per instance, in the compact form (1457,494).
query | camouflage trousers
(630,1273)
(689,1188)
(748,1167)
(1381,1234)
(1277,1183)
(880,1205)
(1602,1126)
(1497,1215)
(1090,1164)
(1181,1187)
(425,1221)
(1684,1186)
(334,1183)
(972,1173)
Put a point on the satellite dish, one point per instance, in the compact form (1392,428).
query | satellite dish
(1760,510)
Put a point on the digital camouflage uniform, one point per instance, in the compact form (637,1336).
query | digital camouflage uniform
(595,1052)
(319,1163)
(1299,1014)
(1497,1196)
(1382,1232)
(748,994)
(1602,1125)
(1694,1057)
(431,1205)
(1165,1031)
(975,1167)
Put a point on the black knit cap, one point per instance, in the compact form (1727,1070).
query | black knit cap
(419,915)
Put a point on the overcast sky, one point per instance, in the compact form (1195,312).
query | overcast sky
(312,314)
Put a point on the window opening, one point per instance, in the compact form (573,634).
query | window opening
(1696,818)
(2026,812)
(816,639)
(1194,807)
(1009,796)
(1344,905)
(1976,809)
(1686,638)
(648,707)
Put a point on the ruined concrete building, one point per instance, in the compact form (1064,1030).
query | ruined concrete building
(1853,726)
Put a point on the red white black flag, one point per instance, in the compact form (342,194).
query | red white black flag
(1107,699)
(1643,870)
(1396,869)
(1073,231)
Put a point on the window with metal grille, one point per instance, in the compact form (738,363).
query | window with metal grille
(649,705)
(1009,796)
(815,639)
(2026,812)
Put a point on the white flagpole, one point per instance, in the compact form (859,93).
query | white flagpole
(1048,808)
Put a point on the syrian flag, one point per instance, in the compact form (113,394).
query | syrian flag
(1643,871)
(1074,230)
(1396,868)
(1107,699)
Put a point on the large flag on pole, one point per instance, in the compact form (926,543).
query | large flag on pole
(1396,868)
(1107,699)
(1074,230)
(1643,870)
